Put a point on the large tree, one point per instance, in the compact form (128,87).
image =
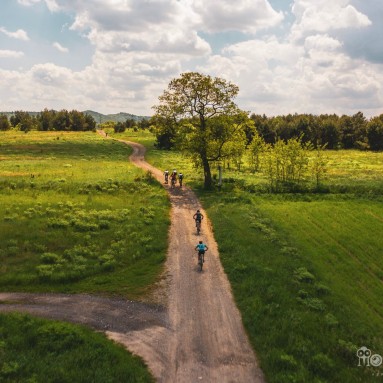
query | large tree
(206,118)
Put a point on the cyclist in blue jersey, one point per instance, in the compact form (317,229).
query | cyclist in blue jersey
(201,248)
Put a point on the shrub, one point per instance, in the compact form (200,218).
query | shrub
(107,262)
(303,275)
(50,258)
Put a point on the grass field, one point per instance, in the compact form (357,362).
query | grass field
(75,216)
(35,350)
(308,278)
(306,269)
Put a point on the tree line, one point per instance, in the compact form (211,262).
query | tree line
(48,120)
(336,132)
(330,130)
(130,123)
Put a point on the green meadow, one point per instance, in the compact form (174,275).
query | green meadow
(35,350)
(306,268)
(75,217)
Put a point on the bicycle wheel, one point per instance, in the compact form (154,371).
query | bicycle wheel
(200,261)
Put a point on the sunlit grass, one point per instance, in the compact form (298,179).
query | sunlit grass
(348,171)
(308,278)
(77,216)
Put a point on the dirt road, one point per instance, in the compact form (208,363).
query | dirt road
(197,336)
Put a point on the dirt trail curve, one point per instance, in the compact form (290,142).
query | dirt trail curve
(198,336)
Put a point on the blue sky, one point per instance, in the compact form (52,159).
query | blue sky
(297,56)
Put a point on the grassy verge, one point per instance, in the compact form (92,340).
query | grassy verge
(77,216)
(307,277)
(37,350)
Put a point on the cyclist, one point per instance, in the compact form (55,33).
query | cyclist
(198,217)
(201,248)
(173,178)
(166,174)
(180,179)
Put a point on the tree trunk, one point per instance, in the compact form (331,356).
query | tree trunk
(207,173)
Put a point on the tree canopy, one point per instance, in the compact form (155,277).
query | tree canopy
(202,118)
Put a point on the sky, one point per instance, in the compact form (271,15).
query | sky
(110,56)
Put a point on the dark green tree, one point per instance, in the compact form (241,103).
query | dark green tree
(4,122)
(375,133)
(205,116)
(45,119)
(77,121)
(61,121)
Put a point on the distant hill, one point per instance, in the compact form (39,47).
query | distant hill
(98,117)
(118,117)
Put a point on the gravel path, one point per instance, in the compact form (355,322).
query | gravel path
(196,335)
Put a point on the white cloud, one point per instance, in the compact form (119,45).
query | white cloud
(325,15)
(139,46)
(10,54)
(150,26)
(60,48)
(50,75)
(240,15)
(321,43)
(28,2)
(20,34)
(52,5)
(281,77)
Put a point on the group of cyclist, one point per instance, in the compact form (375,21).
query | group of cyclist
(173,178)
(198,216)
(201,247)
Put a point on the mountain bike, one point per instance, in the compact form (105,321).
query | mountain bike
(201,260)
(198,226)
(173,182)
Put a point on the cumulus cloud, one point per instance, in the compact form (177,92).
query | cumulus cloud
(20,34)
(325,15)
(50,74)
(241,15)
(60,48)
(281,77)
(10,54)
(139,46)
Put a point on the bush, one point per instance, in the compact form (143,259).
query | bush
(303,275)
(50,258)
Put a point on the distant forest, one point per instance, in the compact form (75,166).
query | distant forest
(336,132)
(344,132)
(64,120)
